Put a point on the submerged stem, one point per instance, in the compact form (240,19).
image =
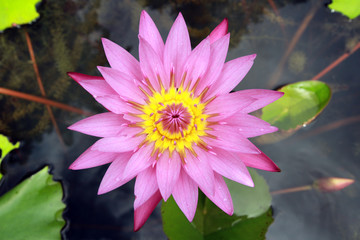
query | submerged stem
(291,190)
(280,68)
(41,86)
(42,100)
(336,62)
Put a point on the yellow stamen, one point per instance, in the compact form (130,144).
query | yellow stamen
(174,120)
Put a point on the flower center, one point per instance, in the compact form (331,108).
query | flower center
(173,120)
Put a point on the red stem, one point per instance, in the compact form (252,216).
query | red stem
(280,68)
(41,86)
(336,62)
(43,101)
(276,11)
(291,190)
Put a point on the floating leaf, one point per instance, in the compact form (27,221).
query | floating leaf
(33,208)
(211,223)
(250,202)
(301,103)
(17,12)
(350,8)
(6,146)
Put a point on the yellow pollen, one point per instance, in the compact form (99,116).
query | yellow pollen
(173,120)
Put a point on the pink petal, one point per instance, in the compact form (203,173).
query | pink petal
(227,105)
(200,171)
(218,51)
(142,213)
(231,140)
(259,161)
(90,158)
(233,72)
(244,119)
(229,165)
(177,49)
(250,132)
(145,186)
(152,65)
(133,118)
(122,84)
(197,63)
(220,31)
(121,60)
(263,96)
(116,105)
(130,131)
(139,161)
(113,176)
(185,194)
(222,197)
(117,144)
(101,125)
(167,173)
(149,31)
(248,125)
(96,86)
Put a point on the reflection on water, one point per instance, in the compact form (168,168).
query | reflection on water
(67,38)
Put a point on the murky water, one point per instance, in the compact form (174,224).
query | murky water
(67,38)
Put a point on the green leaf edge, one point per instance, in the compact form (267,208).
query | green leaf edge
(6,147)
(25,14)
(58,219)
(291,130)
(346,8)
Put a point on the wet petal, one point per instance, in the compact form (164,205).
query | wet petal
(229,165)
(117,144)
(233,72)
(220,31)
(121,60)
(100,125)
(90,158)
(115,104)
(142,213)
(199,169)
(152,66)
(167,173)
(228,139)
(145,186)
(96,86)
(263,97)
(139,161)
(218,52)
(259,161)
(228,104)
(122,84)
(221,197)
(113,176)
(177,49)
(185,194)
(149,31)
(197,63)
(248,125)
(130,131)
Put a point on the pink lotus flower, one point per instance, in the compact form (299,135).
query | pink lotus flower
(172,122)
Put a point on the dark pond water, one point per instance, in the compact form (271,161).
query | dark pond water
(67,38)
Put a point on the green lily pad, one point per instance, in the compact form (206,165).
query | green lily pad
(17,12)
(301,103)
(32,209)
(350,8)
(6,146)
(249,222)
(250,202)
